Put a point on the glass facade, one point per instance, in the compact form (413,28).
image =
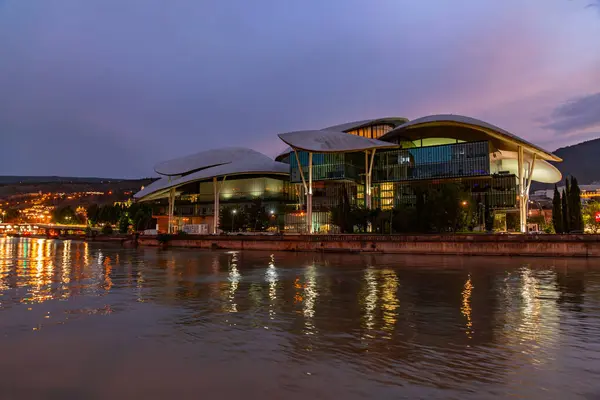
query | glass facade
(499,191)
(433,162)
(244,189)
(328,166)
(197,199)
(372,132)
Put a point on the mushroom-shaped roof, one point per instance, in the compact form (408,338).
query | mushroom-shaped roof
(479,130)
(327,141)
(249,163)
(543,171)
(205,159)
(349,126)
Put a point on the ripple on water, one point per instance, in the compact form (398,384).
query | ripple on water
(286,324)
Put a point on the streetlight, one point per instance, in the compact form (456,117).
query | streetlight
(233,212)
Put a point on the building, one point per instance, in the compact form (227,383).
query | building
(373,163)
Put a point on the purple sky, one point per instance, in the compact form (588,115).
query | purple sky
(110,87)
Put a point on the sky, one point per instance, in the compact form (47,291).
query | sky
(111,87)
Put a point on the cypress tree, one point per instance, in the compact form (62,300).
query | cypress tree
(575,217)
(557,219)
(565,212)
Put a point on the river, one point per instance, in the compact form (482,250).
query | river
(97,321)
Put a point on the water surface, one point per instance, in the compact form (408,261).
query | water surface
(95,321)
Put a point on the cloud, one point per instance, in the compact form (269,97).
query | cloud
(579,114)
(137,82)
(595,4)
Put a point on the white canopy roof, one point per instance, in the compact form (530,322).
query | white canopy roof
(205,159)
(246,162)
(326,141)
(543,171)
(488,129)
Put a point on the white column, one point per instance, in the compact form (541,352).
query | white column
(307,189)
(528,182)
(309,204)
(217,202)
(522,197)
(171,210)
(367,183)
(215,206)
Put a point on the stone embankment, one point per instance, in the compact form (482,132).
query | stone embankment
(476,245)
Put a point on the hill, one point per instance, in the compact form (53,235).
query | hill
(581,161)
(11,180)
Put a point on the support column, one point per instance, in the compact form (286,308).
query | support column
(217,202)
(528,178)
(522,196)
(215,205)
(307,189)
(367,183)
(309,203)
(171,210)
(369,178)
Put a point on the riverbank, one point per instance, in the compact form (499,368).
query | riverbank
(472,245)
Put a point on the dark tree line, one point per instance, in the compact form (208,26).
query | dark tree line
(443,208)
(66,215)
(566,208)
(255,217)
(138,216)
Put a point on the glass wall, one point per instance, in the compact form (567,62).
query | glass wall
(434,162)
(501,191)
(372,132)
(328,166)
(242,189)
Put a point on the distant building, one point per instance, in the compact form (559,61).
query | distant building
(373,163)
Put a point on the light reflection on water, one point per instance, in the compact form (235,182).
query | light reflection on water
(293,325)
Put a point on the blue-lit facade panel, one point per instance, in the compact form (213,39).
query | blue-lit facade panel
(328,166)
(434,162)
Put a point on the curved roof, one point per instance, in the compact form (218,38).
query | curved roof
(326,141)
(509,140)
(543,171)
(205,159)
(348,126)
(248,163)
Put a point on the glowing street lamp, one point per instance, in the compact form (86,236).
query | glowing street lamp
(233,212)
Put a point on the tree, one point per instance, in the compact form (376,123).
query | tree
(10,215)
(404,219)
(233,219)
(574,205)
(257,216)
(565,212)
(512,222)
(124,223)
(340,214)
(488,215)
(107,229)
(557,219)
(65,215)
(141,216)
(93,212)
(590,210)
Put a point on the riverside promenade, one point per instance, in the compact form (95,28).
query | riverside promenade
(458,244)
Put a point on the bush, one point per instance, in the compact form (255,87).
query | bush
(164,237)
(107,229)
